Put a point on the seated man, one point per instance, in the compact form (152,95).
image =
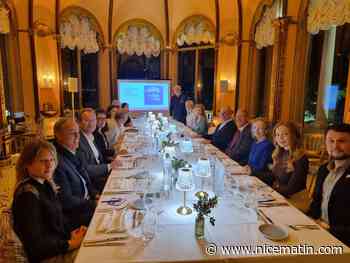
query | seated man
(77,195)
(100,137)
(95,162)
(331,199)
(224,131)
(242,140)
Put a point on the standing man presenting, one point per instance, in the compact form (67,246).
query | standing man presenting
(177,105)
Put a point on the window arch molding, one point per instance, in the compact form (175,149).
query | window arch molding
(188,19)
(138,22)
(82,12)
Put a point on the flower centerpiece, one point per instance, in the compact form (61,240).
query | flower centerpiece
(204,206)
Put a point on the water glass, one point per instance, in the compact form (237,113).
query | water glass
(149,225)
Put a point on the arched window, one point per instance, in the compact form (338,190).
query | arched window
(263,32)
(81,41)
(326,85)
(195,40)
(138,49)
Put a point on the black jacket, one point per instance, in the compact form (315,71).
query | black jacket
(338,206)
(77,209)
(103,145)
(240,152)
(222,137)
(98,172)
(38,220)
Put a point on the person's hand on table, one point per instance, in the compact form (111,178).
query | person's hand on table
(247,169)
(77,236)
(322,224)
(123,151)
(115,164)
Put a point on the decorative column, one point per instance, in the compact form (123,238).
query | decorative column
(278,68)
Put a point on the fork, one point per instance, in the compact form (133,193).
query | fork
(305,226)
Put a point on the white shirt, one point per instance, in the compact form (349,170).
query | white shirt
(222,125)
(90,139)
(242,128)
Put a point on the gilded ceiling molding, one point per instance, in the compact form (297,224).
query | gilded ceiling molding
(196,29)
(80,28)
(140,37)
(323,14)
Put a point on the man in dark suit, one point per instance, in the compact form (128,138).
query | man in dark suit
(224,131)
(96,164)
(101,138)
(331,199)
(177,105)
(76,193)
(242,140)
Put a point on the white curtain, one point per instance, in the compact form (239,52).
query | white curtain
(195,33)
(78,32)
(323,14)
(138,40)
(4,20)
(265,31)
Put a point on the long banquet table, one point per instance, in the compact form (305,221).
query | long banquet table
(174,240)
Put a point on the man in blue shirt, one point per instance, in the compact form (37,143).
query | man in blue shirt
(177,105)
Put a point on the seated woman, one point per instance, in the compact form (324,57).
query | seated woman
(199,120)
(261,151)
(37,213)
(290,164)
(128,122)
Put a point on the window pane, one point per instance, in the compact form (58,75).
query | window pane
(186,71)
(206,77)
(264,81)
(138,67)
(337,91)
(69,69)
(313,77)
(89,78)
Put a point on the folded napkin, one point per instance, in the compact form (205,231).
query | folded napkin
(113,222)
(122,184)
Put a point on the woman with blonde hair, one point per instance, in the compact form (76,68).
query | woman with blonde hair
(260,156)
(290,164)
(199,120)
(37,215)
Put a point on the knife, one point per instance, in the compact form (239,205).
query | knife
(104,240)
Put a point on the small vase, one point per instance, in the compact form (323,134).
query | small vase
(199,227)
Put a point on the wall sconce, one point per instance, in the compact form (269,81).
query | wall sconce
(48,81)
(224,85)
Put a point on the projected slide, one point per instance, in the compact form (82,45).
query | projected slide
(145,95)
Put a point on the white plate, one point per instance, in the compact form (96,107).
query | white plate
(273,232)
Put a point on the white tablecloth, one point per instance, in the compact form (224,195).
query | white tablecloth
(175,241)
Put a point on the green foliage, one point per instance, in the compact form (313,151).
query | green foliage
(178,163)
(205,205)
